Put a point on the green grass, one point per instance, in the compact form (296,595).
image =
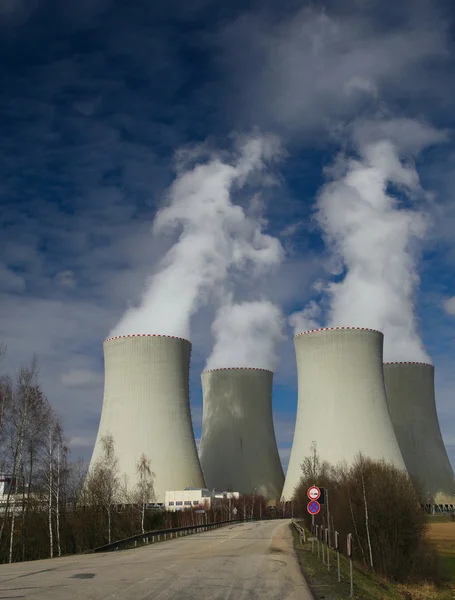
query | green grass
(367,586)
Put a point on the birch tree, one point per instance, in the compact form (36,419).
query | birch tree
(22,397)
(102,483)
(145,492)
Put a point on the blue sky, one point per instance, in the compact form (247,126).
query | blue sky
(96,96)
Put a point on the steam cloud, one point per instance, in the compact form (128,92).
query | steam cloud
(216,236)
(246,335)
(375,238)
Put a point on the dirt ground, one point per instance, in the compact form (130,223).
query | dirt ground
(443,534)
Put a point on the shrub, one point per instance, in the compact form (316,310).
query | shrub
(378,504)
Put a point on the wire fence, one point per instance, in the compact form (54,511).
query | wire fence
(321,537)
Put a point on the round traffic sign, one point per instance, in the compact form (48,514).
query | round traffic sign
(313,507)
(313,492)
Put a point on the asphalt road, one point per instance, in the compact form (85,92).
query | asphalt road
(251,561)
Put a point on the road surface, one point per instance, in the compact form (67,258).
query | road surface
(250,561)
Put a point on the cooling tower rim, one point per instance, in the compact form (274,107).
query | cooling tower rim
(236,369)
(422,364)
(159,335)
(338,329)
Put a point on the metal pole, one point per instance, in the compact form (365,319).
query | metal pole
(338,563)
(322,544)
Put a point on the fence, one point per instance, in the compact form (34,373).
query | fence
(175,532)
(321,535)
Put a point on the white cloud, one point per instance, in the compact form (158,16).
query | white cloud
(290,71)
(82,442)
(11,282)
(449,306)
(66,279)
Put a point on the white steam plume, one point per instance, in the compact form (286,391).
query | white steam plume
(215,236)
(305,320)
(246,335)
(376,239)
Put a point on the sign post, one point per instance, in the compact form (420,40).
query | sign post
(349,553)
(317,538)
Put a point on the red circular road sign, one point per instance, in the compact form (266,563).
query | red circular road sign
(313,507)
(313,492)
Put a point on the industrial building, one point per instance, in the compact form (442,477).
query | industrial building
(195,498)
(146,410)
(238,448)
(342,403)
(412,406)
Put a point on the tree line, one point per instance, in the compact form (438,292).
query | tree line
(53,506)
(381,507)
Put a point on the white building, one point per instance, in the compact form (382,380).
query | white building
(188,499)
(412,406)
(146,410)
(342,404)
(195,498)
(7,484)
(238,448)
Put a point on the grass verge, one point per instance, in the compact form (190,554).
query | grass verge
(324,584)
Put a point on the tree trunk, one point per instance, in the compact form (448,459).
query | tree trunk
(367,523)
(356,531)
(57,498)
(109,524)
(11,537)
(26,503)
(50,492)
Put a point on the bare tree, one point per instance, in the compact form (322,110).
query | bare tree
(102,483)
(60,472)
(145,492)
(367,525)
(22,400)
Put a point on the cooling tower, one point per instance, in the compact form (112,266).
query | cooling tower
(342,403)
(411,400)
(146,410)
(238,448)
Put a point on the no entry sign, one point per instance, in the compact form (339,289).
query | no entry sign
(313,507)
(313,492)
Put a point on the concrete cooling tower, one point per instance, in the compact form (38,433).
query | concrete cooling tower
(146,410)
(238,448)
(411,400)
(342,403)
